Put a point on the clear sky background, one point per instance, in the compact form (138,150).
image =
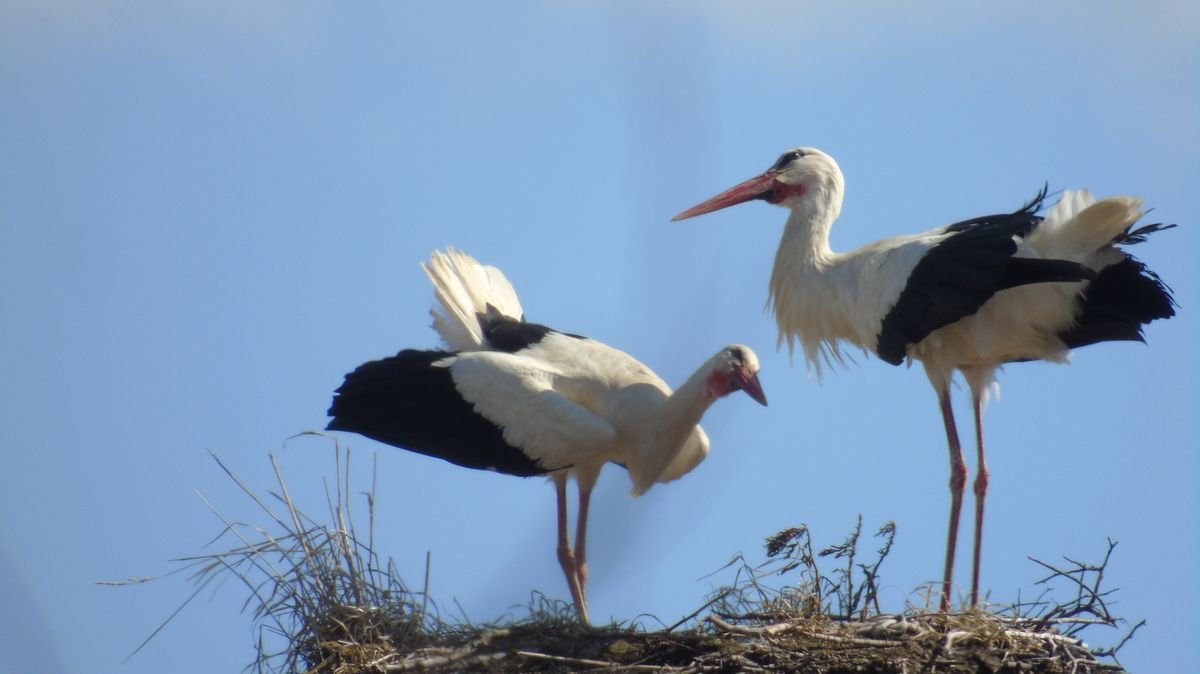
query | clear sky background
(211,211)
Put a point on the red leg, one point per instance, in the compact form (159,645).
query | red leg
(981,485)
(958,479)
(581,566)
(566,558)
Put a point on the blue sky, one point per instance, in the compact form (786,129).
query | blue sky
(212,211)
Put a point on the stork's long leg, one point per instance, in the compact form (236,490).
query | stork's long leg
(581,567)
(981,485)
(958,478)
(585,480)
(566,558)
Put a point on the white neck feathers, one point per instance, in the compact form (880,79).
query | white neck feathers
(804,291)
(674,423)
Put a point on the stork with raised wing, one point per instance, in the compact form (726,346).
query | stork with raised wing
(523,399)
(969,296)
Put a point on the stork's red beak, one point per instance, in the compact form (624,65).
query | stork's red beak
(753,188)
(748,382)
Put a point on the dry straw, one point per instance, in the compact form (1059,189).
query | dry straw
(320,590)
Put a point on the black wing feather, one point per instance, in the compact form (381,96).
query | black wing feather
(407,402)
(1124,297)
(1139,235)
(962,272)
(510,335)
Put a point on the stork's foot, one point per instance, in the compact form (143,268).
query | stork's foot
(566,559)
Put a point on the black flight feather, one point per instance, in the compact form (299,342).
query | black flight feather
(1124,297)
(962,272)
(1139,235)
(408,402)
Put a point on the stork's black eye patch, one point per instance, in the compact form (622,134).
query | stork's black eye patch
(787,158)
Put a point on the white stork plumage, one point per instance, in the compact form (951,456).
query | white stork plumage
(970,296)
(523,399)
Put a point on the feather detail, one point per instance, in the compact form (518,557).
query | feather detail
(465,290)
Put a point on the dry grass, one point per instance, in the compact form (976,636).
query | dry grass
(321,590)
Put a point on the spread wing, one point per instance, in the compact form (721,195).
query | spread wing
(517,394)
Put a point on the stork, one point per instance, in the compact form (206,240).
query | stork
(523,399)
(961,297)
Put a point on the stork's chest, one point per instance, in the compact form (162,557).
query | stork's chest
(823,303)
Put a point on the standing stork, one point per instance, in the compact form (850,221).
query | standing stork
(524,399)
(959,297)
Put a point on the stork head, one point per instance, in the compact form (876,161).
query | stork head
(735,368)
(797,173)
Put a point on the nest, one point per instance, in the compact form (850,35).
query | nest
(972,643)
(322,593)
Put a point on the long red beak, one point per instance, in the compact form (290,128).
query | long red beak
(751,189)
(748,382)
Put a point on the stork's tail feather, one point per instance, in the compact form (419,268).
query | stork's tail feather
(1079,225)
(467,289)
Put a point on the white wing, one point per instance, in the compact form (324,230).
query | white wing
(516,392)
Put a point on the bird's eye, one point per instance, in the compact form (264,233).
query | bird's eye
(737,355)
(787,158)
